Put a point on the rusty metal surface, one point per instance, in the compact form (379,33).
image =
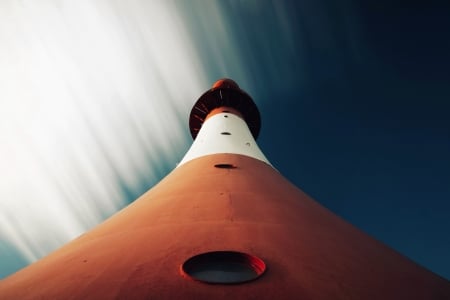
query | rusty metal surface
(310,252)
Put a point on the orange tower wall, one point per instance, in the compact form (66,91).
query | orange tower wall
(310,252)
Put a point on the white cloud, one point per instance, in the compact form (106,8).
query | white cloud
(90,98)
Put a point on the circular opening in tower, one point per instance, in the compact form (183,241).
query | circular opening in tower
(224,267)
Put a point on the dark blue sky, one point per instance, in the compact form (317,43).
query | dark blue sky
(355,101)
(371,138)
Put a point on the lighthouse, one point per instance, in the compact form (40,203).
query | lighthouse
(224,224)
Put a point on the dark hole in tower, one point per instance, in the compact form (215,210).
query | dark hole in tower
(225,166)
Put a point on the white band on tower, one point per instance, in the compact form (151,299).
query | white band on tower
(224,132)
(224,120)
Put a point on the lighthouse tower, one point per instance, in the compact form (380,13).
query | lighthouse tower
(224,224)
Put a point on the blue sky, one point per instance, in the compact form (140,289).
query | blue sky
(96,97)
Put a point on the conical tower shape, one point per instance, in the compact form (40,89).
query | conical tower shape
(224,224)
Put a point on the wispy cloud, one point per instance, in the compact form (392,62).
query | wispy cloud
(94,99)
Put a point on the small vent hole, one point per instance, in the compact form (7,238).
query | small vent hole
(225,133)
(226,116)
(225,166)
